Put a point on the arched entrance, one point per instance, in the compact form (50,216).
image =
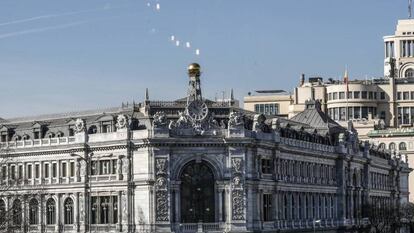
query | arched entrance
(197,193)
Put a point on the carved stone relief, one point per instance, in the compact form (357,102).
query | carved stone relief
(161,189)
(81,208)
(121,122)
(237,192)
(79,125)
(124,207)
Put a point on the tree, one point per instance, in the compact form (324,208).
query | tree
(388,218)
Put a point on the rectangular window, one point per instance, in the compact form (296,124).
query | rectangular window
(406,95)
(350,113)
(342,113)
(382,95)
(72,169)
(106,127)
(357,112)
(370,95)
(406,115)
(412,95)
(13,172)
(29,171)
(364,95)
(399,116)
(266,166)
(364,112)
(330,96)
(398,95)
(375,95)
(267,207)
(37,171)
(349,94)
(64,169)
(4,137)
(334,95)
(104,167)
(356,94)
(36,135)
(114,165)
(54,170)
(20,172)
(46,170)
(341,95)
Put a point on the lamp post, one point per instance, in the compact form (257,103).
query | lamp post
(315,221)
(88,161)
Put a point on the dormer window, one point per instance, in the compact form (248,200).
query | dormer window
(16,138)
(50,135)
(4,138)
(106,127)
(93,129)
(26,137)
(59,134)
(71,132)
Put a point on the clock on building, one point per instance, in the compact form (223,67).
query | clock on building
(197,110)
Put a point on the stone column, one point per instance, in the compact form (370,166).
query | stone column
(178,204)
(220,205)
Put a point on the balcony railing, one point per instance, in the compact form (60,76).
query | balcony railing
(200,227)
(38,142)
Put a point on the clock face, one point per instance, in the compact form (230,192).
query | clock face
(197,110)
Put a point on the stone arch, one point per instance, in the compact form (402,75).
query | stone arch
(404,68)
(181,163)
(197,192)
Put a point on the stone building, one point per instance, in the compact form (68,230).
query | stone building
(191,165)
(381,109)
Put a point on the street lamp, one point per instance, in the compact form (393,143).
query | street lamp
(315,221)
(88,161)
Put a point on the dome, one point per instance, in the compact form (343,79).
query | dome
(194,69)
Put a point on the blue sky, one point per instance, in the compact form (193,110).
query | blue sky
(58,56)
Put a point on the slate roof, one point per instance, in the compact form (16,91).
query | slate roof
(315,117)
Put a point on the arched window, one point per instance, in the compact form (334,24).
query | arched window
(26,137)
(33,212)
(93,129)
(59,134)
(391,146)
(381,146)
(409,73)
(402,146)
(68,208)
(16,137)
(17,213)
(2,212)
(50,211)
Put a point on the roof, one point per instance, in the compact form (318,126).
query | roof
(315,117)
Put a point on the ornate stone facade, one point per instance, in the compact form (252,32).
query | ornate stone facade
(193,165)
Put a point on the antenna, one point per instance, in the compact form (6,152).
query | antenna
(410,3)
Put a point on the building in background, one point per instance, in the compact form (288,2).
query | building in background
(269,102)
(380,109)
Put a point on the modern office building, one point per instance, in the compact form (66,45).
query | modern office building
(191,165)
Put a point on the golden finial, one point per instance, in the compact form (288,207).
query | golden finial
(194,69)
